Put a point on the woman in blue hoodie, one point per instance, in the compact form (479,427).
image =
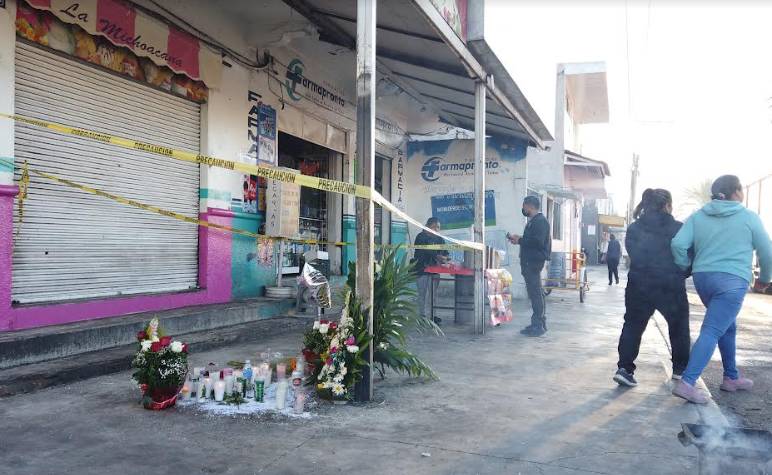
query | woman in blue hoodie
(724,234)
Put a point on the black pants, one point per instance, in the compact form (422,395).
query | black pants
(640,302)
(613,269)
(532,275)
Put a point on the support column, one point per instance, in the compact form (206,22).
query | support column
(365,146)
(479,206)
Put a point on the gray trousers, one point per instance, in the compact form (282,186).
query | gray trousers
(424,283)
(532,276)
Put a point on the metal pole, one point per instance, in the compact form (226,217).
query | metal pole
(365,154)
(633,188)
(281,264)
(479,206)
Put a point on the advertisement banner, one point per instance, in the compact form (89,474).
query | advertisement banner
(455,13)
(456,211)
(266,151)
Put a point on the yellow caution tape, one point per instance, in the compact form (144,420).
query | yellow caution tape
(23,189)
(454,243)
(182,217)
(265,171)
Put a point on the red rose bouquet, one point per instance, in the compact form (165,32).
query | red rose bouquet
(160,367)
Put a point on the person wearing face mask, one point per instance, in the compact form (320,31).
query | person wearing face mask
(535,249)
(724,234)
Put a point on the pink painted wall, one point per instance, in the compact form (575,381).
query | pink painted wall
(214,280)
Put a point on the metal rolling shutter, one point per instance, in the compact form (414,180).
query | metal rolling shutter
(74,245)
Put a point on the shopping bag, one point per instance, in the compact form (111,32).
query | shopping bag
(499,284)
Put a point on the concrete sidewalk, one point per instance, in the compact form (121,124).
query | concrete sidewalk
(505,404)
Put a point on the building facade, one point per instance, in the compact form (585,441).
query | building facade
(249,85)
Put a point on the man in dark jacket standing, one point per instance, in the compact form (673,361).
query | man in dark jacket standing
(613,255)
(535,249)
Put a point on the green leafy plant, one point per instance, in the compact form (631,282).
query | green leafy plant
(395,314)
(236,399)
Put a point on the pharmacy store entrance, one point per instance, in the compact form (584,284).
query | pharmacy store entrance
(315,205)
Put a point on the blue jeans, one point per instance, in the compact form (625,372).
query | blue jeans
(723,295)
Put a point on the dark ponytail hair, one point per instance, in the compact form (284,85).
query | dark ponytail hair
(653,200)
(724,187)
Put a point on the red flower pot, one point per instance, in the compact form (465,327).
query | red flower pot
(158,399)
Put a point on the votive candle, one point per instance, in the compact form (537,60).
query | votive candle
(281,394)
(281,371)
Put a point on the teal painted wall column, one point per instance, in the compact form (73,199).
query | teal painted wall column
(399,235)
(248,276)
(349,235)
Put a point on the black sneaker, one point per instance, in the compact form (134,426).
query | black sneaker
(625,378)
(534,331)
(526,330)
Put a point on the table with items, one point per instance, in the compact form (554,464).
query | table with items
(463,288)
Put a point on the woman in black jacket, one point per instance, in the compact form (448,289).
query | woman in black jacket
(653,283)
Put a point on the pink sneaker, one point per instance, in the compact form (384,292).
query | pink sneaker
(734,385)
(689,392)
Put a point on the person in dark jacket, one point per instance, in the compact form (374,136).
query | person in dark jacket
(535,249)
(613,255)
(654,283)
(424,258)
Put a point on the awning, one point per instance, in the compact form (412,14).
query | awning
(124,25)
(610,220)
(586,175)
(413,54)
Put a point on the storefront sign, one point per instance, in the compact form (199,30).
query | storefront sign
(299,85)
(455,14)
(439,167)
(456,211)
(400,181)
(283,208)
(43,27)
(123,25)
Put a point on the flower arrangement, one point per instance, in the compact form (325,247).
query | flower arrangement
(340,348)
(160,366)
(395,315)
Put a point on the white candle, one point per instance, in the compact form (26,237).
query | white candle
(300,401)
(281,371)
(208,385)
(265,370)
(219,390)
(229,384)
(281,395)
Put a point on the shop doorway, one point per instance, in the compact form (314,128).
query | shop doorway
(312,160)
